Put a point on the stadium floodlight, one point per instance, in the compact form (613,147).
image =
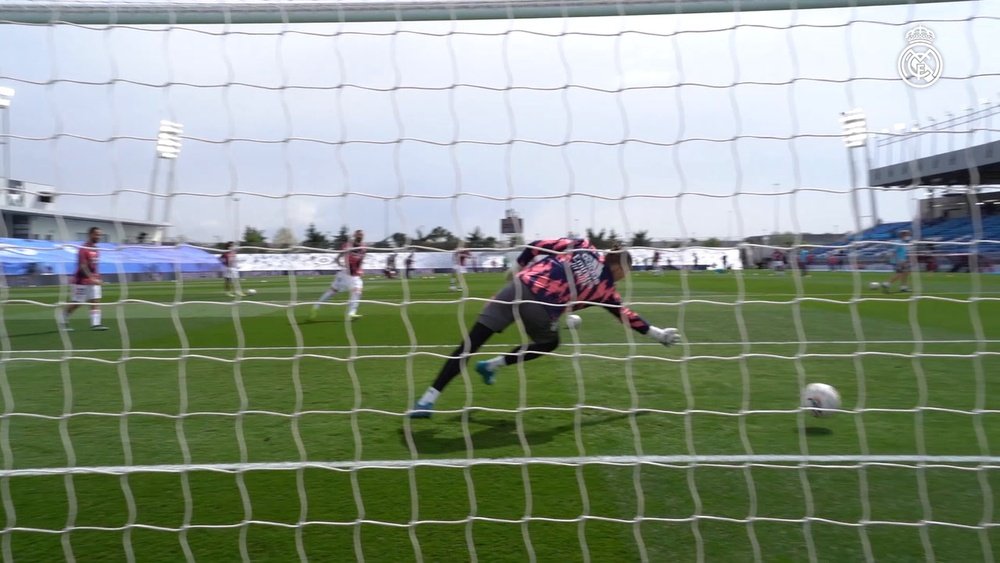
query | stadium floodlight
(168,147)
(855,128)
(168,142)
(6,94)
(856,136)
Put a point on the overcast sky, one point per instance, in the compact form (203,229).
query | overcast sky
(640,110)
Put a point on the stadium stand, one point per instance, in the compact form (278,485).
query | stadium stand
(45,261)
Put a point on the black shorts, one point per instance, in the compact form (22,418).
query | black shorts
(502,312)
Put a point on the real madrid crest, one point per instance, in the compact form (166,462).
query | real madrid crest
(920,64)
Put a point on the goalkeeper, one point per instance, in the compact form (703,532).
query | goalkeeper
(544,287)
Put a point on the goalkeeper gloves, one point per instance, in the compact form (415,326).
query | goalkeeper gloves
(665,336)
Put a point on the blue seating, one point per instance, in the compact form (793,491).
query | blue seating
(60,258)
(956,235)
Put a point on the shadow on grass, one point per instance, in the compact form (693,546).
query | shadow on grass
(319,321)
(816,431)
(493,433)
(36,333)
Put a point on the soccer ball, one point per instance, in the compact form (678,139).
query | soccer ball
(251,292)
(820,396)
(573,321)
(874,285)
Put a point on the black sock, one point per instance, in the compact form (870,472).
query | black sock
(478,336)
(529,352)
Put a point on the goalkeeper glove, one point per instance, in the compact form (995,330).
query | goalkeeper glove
(665,336)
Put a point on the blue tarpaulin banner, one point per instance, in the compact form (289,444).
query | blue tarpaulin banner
(23,256)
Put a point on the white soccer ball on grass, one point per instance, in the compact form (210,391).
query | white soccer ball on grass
(820,399)
(573,321)
(874,285)
(251,292)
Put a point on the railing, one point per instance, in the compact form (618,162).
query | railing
(902,143)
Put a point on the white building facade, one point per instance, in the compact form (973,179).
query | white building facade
(29,212)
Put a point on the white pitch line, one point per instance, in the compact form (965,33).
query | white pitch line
(514,461)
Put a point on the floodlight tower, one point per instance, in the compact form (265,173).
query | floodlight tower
(855,126)
(168,142)
(168,147)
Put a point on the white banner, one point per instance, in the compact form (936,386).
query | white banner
(486,260)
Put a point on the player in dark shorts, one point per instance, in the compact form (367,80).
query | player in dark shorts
(901,263)
(568,275)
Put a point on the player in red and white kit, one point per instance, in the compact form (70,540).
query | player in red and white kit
(462,259)
(86,283)
(557,276)
(349,277)
(230,272)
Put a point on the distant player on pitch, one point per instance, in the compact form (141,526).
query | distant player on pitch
(657,270)
(390,271)
(545,291)
(349,277)
(462,258)
(409,265)
(901,262)
(230,272)
(86,283)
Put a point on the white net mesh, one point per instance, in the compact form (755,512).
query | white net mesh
(255,420)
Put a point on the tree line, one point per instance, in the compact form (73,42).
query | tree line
(438,238)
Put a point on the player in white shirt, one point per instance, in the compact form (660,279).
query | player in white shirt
(349,277)
(230,272)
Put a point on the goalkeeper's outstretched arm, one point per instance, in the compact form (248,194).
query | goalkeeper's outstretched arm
(665,336)
(618,262)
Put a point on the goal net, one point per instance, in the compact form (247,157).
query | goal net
(236,408)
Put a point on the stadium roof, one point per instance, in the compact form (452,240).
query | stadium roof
(954,168)
(13,209)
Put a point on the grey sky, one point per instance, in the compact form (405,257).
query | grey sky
(256,87)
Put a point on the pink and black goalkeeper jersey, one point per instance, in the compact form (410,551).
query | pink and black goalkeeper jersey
(592,283)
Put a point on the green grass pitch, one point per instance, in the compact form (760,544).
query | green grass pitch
(187,376)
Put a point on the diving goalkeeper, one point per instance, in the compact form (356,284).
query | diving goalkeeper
(556,276)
